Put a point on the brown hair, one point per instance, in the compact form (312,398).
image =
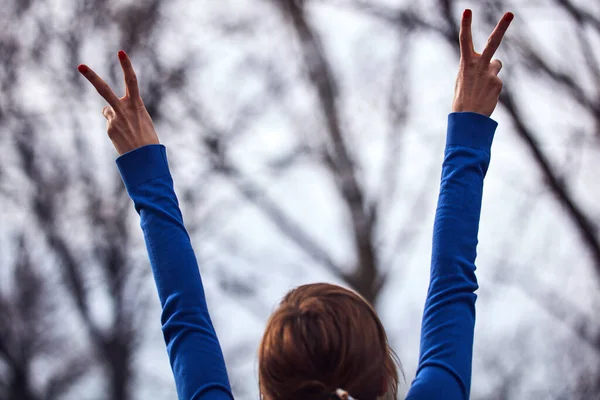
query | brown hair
(323,337)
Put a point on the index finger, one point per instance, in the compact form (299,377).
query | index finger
(496,37)
(102,87)
(131,84)
(465,36)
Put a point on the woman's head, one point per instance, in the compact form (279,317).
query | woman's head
(323,337)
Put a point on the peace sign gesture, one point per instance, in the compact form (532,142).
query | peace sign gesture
(478,85)
(129,125)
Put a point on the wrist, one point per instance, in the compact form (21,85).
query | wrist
(132,145)
(459,108)
(143,164)
(471,129)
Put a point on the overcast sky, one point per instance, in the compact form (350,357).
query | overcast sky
(522,230)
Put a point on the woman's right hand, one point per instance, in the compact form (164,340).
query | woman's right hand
(478,86)
(129,125)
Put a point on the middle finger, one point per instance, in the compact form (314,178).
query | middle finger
(496,37)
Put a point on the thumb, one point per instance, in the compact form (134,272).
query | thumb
(108,112)
(496,66)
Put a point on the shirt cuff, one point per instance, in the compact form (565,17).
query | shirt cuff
(143,164)
(471,129)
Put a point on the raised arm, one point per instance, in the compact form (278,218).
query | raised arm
(194,350)
(444,370)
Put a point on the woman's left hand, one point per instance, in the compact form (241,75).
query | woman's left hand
(129,125)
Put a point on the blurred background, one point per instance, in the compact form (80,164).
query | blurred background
(305,139)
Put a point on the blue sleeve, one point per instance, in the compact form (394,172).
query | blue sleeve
(444,370)
(194,350)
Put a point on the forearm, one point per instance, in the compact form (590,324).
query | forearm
(192,344)
(449,316)
(147,178)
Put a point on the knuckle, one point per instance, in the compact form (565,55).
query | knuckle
(114,130)
(135,103)
(497,82)
(467,66)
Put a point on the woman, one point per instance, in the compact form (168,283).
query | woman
(323,341)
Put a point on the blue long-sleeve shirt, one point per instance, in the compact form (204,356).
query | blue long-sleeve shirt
(444,370)
(194,350)
(447,333)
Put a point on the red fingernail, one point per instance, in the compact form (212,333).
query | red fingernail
(510,16)
(467,13)
(122,55)
(83,68)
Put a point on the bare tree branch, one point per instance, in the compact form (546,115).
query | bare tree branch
(292,230)
(341,163)
(579,14)
(586,228)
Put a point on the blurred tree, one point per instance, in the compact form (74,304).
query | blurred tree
(101,282)
(29,334)
(574,80)
(84,218)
